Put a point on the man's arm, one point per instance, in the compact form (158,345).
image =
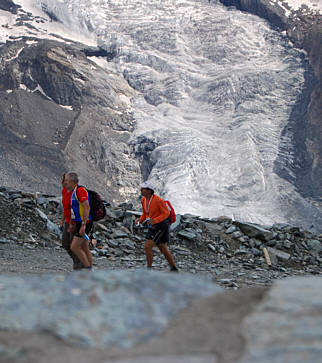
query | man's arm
(85,204)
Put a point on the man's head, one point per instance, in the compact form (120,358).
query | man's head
(63,177)
(147,189)
(71,180)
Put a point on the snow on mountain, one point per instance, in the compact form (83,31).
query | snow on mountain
(215,90)
(308,6)
(40,25)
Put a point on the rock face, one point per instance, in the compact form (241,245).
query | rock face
(304,28)
(142,316)
(286,327)
(60,111)
(9,5)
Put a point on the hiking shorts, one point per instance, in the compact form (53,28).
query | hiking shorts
(88,228)
(159,232)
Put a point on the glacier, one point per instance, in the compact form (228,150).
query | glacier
(215,89)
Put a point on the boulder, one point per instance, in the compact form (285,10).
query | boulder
(98,309)
(287,325)
(255,231)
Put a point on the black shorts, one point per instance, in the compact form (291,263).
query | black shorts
(88,228)
(159,232)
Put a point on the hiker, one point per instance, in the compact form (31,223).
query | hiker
(157,216)
(67,235)
(83,221)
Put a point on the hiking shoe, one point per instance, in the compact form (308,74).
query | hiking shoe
(174,269)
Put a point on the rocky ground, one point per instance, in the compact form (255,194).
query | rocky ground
(121,313)
(230,252)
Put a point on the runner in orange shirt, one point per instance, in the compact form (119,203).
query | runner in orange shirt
(157,216)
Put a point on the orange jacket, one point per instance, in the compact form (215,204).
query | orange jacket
(154,208)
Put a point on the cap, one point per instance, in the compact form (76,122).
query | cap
(147,185)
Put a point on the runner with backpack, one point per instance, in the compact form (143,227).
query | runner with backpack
(67,236)
(158,218)
(87,207)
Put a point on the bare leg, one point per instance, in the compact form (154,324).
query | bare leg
(76,247)
(149,244)
(66,243)
(167,254)
(85,248)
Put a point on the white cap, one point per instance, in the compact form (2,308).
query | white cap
(147,185)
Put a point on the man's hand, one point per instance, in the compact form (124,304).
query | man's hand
(151,221)
(71,227)
(82,230)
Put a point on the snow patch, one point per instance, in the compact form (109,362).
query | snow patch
(40,89)
(67,107)
(313,6)
(125,100)
(46,29)
(100,61)
(30,42)
(16,56)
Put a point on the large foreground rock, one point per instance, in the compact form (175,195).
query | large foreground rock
(98,309)
(287,326)
(143,316)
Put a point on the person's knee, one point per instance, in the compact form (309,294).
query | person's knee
(148,245)
(162,247)
(74,246)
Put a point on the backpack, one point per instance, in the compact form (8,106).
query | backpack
(98,210)
(173,216)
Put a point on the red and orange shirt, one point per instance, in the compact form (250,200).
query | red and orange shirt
(154,208)
(67,204)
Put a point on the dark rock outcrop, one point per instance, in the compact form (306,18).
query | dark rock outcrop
(304,28)
(60,111)
(9,5)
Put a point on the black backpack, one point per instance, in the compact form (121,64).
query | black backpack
(98,210)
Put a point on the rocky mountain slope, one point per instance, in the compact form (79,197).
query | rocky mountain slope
(60,111)
(230,252)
